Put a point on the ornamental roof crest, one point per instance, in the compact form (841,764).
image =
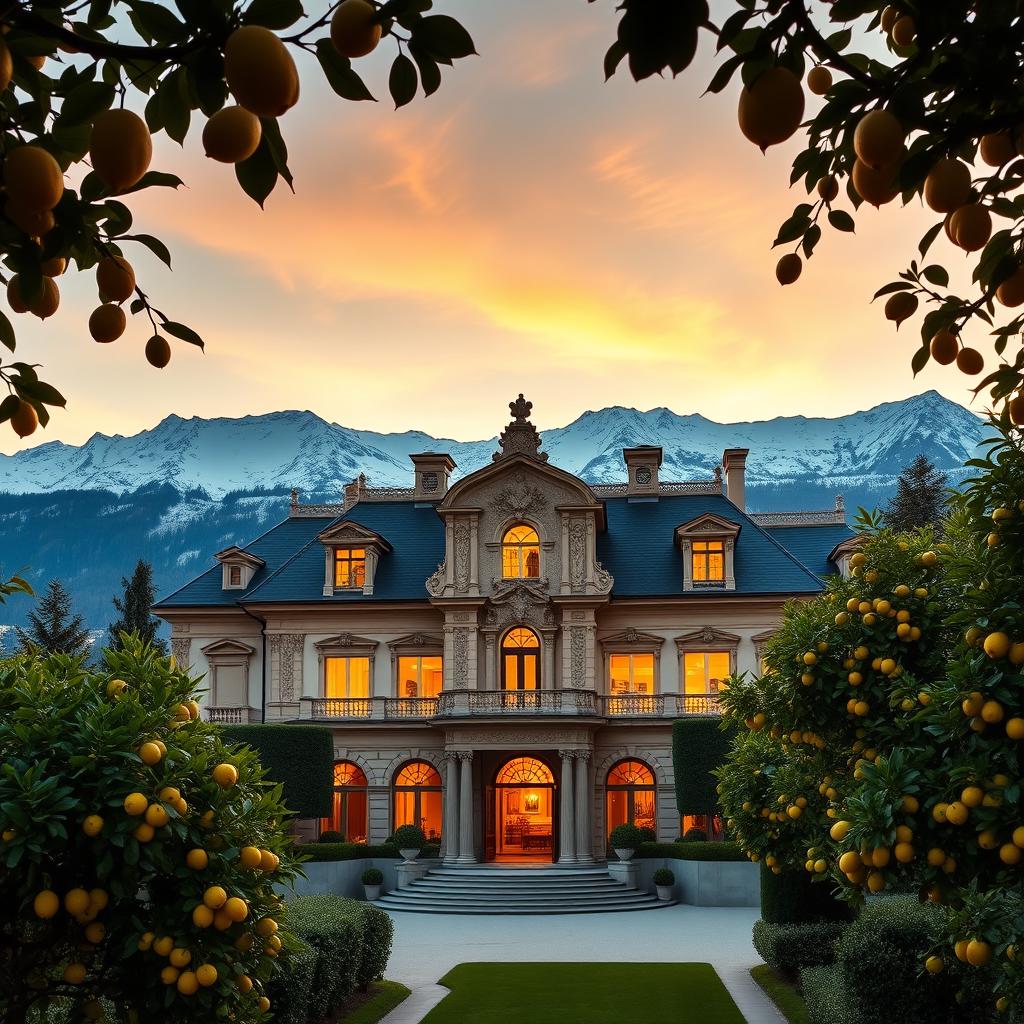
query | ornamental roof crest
(520,437)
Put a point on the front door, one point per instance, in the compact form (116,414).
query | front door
(524,807)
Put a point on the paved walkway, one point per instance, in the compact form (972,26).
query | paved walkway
(427,946)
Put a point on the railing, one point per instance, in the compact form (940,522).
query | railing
(639,704)
(410,707)
(239,715)
(698,704)
(342,707)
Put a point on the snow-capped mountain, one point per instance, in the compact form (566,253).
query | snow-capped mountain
(299,449)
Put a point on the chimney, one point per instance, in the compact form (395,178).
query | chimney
(354,491)
(734,462)
(642,465)
(432,472)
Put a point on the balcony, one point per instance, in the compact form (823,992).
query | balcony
(238,715)
(512,703)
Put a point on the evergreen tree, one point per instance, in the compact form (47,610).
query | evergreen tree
(920,497)
(134,610)
(54,627)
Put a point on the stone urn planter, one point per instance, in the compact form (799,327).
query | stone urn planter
(410,840)
(409,854)
(664,880)
(372,879)
(625,840)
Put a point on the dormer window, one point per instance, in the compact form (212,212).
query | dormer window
(520,553)
(238,567)
(349,568)
(351,555)
(708,561)
(708,545)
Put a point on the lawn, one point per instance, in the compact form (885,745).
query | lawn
(371,1006)
(560,993)
(783,994)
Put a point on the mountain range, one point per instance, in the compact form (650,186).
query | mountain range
(176,493)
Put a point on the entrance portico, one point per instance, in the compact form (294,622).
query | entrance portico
(523,794)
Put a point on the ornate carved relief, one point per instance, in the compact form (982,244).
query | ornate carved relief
(462,555)
(578,554)
(603,579)
(435,582)
(578,655)
(290,645)
(519,499)
(500,735)
(181,648)
(460,654)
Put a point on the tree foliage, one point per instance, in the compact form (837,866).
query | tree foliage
(55,627)
(919,499)
(877,761)
(84,87)
(133,608)
(138,853)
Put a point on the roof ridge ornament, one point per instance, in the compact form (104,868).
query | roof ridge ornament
(520,437)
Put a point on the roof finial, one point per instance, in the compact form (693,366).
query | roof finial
(520,409)
(520,437)
(295,497)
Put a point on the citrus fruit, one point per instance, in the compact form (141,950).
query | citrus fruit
(197,859)
(353,30)
(115,278)
(788,268)
(202,916)
(260,71)
(25,418)
(74,974)
(770,110)
(188,985)
(970,361)
(206,975)
(150,753)
(237,909)
(135,804)
(878,139)
(158,351)
(107,323)
(948,185)
(215,897)
(232,135)
(225,775)
(33,178)
(249,857)
(120,148)
(819,80)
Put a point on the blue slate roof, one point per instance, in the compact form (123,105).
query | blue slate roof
(812,544)
(638,549)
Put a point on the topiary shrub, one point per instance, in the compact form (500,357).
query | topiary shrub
(330,835)
(626,837)
(699,747)
(377,933)
(300,757)
(649,834)
(345,851)
(290,991)
(664,877)
(793,898)
(129,828)
(824,996)
(695,835)
(788,948)
(408,837)
(372,876)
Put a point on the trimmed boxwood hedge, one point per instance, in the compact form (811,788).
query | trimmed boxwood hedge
(699,746)
(343,946)
(691,851)
(789,948)
(824,995)
(793,898)
(300,757)
(357,851)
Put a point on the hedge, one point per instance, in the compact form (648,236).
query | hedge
(699,746)
(691,851)
(793,898)
(356,851)
(789,948)
(343,946)
(300,757)
(825,997)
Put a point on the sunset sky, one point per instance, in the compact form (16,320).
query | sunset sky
(527,228)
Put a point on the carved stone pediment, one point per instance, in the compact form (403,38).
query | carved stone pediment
(351,532)
(705,636)
(228,648)
(346,643)
(632,638)
(237,555)
(708,524)
(414,642)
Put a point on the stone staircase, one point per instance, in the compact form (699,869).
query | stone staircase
(496,889)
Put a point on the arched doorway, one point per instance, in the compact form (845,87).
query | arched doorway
(630,796)
(523,804)
(520,660)
(417,798)
(348,804)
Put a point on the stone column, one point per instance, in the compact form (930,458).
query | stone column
(490,661)
(466,855)
(451,809)
(567,811)
(548,680)
(584,803)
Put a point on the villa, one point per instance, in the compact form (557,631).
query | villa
(501,658)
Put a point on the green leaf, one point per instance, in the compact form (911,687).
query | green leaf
(86,101)
(936,275)
(841,220)
(7,338)
(930,235)
(274,14)
(402,81)
(175,108)
(278,149)
(8,407)
(155,178)
(613,58)
(339,74)
(442,36)
(42,392)
(430,71)
(920,360)
(183,333)
(154,245)
(258,174)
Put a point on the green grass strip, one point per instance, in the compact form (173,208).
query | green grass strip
(386,996)
(588,993)
(782,993)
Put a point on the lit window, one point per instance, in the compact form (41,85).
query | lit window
(349,803)
(705,671)
(520,553)
(708,561)
(520,660)
(419,677)
(349,568)
(630,797)
(417,795)
(234,575)
(346,677)
(632,673)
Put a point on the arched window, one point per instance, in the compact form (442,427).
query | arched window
(525,771)
(520,660)
(520,553)
(630,796)
(349,806)
(418,798)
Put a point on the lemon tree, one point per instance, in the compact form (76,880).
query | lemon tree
(138,853)
(901,101)
(85,86)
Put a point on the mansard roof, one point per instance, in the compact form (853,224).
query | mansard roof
(638,548)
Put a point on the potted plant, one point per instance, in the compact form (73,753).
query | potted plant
(329,835)
(373,878)
(625,840)
(663,882)
(410,840)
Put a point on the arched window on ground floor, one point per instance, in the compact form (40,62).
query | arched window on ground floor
(630,796)
(349,803)
(417,798)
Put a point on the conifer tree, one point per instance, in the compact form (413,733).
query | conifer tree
(920,497)
(133,610)
(55,627)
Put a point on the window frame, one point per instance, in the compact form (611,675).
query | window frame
(417,792)
(520,653)
(519,547)
(654,656)
(344,645)
(630,790)
(343,555)
(339,802)
(419,658)
(705,556)
(348,658)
